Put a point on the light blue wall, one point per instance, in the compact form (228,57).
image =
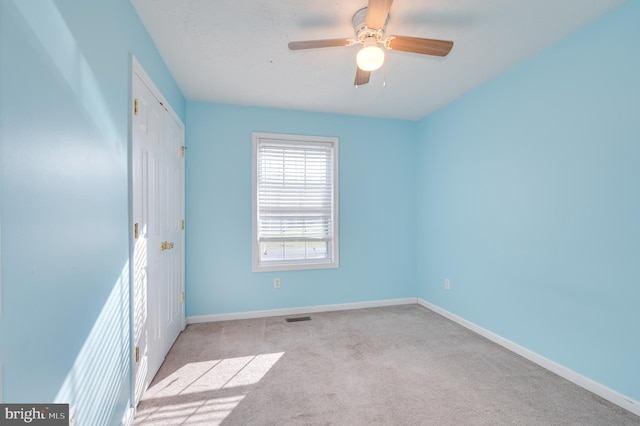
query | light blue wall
(377,211)
(64,107)
(530,203)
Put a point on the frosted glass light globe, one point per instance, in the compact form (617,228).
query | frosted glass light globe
(370,58)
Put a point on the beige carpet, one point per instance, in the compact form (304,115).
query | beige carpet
(400,365)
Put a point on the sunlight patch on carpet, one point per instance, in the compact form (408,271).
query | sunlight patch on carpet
(200,391)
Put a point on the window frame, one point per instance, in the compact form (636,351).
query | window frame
(302,264)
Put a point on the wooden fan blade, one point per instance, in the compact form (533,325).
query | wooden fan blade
(362,77)
(425,46)
(377,13)
(315,44)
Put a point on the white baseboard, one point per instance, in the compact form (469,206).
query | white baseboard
(301,310)
(580,380)
(129,416)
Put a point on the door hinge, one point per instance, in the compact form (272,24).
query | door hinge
(135,231)
(182,297)
(137,353)
(135,107)
(182,224)
(182,150)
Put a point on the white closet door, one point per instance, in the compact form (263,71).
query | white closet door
(158,253)
(172,258)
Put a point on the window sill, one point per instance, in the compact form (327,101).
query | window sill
(293,266)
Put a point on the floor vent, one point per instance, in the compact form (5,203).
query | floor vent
(298,319)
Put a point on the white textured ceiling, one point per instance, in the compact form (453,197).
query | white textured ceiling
(235,51)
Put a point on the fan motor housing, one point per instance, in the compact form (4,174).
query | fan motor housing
(360,27)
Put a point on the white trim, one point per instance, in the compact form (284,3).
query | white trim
(564,372)
(334,250)
(129,417)
(301,310)
(136,68)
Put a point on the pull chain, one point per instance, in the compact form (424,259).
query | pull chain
(384,83)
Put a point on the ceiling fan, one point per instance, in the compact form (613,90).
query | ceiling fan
(369,25)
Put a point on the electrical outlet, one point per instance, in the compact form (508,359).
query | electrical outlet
(447,284)
(276,283)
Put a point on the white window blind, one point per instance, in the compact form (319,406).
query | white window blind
(295,202)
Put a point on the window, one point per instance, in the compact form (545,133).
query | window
(295,202)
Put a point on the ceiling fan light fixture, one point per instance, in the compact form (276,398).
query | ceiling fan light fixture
(371,56)
(369,26)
